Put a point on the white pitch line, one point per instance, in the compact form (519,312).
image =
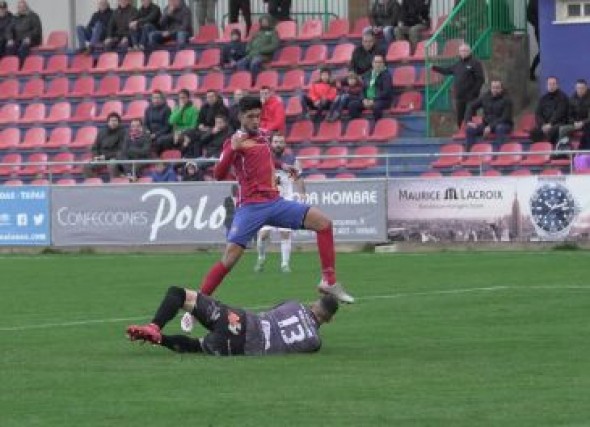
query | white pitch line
(365,298)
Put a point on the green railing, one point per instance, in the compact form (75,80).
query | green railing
(472,22)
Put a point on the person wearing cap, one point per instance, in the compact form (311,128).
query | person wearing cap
(24,32)
(288,328)
(233,51)
(5,23)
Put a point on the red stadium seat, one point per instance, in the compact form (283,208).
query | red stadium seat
(484,157)
(404,76)
(107,62)
(287,30)
(81,63)
(288,56)
(454,158)
(300,131)
(336,163)
(492,172)
(9,65)
(521,172)
(420,52)
(357,131)
(58,88)
(110,107)
(212,81)
(133,61)
(119,180)
(451,48)
(525,124)
(33,65)
(461,173)
(83,86)
(9,113)
(534,159)
(145,180)
(34,138)
(207,34)
(268,78)
(188,81)
(461,133)
(9,138)
(342,54)
(293,108)
(226,36)
(551,172)
(328,131)
(34,113)
(85,112)
(134,85)
(60,137)
(56,64)
(359,25)
(171,155)
(40,182)
(92,181)
(309,152)
(66,181)
(345,175)
(159,60)
(316,177)
(239,80)
(386,130)
(337,28)
(431,174)
(293,80)
(57,40)
(60,112)
(11,159)
(108,86)
(315,55)
(65,168)
(366,162)
(311,29)
(209,58)
(435,78)
(162,82)
(398,51)
(253,30)
(509,159)
(435,25)
(33,88)
(41,168)
(184,60)
(9,89)
(85,137)
(14,183)
(136,109)
(408,101)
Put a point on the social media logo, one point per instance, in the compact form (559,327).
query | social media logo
(22,220)
(38,219)
(4,220)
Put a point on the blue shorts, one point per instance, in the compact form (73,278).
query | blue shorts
(278,213)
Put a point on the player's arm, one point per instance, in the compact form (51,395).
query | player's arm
(227,157)
(298,181)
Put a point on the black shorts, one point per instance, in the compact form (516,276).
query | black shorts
(226,325)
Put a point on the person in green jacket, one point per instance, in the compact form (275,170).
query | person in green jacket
(184,117)
(261,48)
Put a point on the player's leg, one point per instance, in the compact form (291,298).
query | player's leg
(285,250)
(261,243)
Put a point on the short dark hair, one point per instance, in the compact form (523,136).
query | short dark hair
(329,303)
(158,92)
(265,87)
(222,116)
(137,119)
(552,77)
(325,70)
(115,115)
(248,103)
(184,92)
(582,81)
(236,31)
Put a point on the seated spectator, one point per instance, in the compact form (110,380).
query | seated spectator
(184,118)
(234,51)
(578,112)
(384,17)
(24,33)
(118,32)
(5,24)
(107,144)
(413,21)
(157,119)
(95,32)
(190,172)
(350,89)
(260,48)
(163,172)
(137,145)
(210,143)
(176,24)
(213,107)
(378,91)
(497,115)
(234,109)
(362,56)
(146,22)
(272,116)
(320,96)
(551,113)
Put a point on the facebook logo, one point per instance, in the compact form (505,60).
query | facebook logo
(22,220)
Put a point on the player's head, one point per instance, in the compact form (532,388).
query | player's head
(325,308)
(278,143)
(250,108)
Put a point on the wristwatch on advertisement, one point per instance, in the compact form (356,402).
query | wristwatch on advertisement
(553,210)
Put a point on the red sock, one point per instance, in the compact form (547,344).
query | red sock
(325,239)
(214,278)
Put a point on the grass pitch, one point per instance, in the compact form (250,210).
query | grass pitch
(461,339)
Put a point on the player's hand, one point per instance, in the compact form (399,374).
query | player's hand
(487,130)
(291,170)
(238,139)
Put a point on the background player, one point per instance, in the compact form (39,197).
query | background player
(288,186)
(290,327)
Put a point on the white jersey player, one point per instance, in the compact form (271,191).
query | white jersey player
(290,188)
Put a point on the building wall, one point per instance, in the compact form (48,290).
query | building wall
(54,14)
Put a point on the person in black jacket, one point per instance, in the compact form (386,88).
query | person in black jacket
(157,119)
(25,31)
(5,23)
(211,142)
(234,12)
(280,10)
(146,22)
(532,15)
(497,115)
(378,91)
(137,145)
(469,78)
(211,109)
(233,51)
(234,109)
(579,111)
(414,19)
(384,17)
(107,144)
(96,30)
(176,24)
(362,56)
(118,31)
(551,113)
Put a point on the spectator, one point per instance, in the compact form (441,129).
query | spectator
(214,106)
(532,15)
(384,17)
(146,22)
(272,117)
(234,11)
(234,110)
(157,119)
(163,173)
(234,51)
(137,145)
(321,95)
(578,112)
(184,117)
(206,11)
(190,172)
(378,91)
(95,32)
(107,144)
(211,142)
(118,34)
(280,10)
(551,113)
(350,89)
(176,24)
(362,57)
(24,33)
(5,24)
(414,19)
(469,78)
(261,47)
(497,115)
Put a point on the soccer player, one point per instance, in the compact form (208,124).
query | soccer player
(286,184)
(290,327)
